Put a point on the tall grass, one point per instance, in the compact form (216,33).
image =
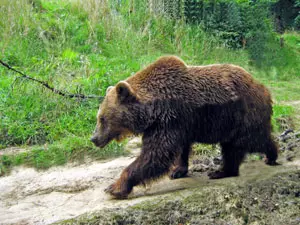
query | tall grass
(84,46)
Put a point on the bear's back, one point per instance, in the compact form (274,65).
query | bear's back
(170,78)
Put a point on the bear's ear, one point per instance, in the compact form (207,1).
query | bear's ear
(109,88)
(125,92)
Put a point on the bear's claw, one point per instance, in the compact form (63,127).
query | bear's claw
(113,191)
(179,172)
(271,163)
(109,189)
(220,174)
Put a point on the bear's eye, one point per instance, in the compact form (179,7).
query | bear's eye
(102,120)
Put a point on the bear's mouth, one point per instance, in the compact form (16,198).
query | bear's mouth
(100,142)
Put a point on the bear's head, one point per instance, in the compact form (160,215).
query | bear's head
(114,116)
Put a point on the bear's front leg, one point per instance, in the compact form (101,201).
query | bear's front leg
(181,165)
(157,155)
(121,188)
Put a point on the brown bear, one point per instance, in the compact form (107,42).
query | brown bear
(173,106)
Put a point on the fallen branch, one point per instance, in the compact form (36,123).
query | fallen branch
(45,84)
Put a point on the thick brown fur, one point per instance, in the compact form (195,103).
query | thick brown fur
(173,106)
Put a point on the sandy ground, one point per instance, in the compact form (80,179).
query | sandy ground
(28,196)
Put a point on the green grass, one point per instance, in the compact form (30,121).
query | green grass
(206,150)
(292,39)
(58,153)
(280,112)
(84,47)
(284,91)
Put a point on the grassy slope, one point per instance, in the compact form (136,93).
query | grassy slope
(85,46)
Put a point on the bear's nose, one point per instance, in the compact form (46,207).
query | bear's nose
(93,139)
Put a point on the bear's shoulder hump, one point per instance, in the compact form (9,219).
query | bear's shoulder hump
(170,62)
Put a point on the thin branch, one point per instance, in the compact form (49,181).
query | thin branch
(45,84)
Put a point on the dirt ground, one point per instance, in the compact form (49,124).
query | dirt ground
(73,194)
(273,199)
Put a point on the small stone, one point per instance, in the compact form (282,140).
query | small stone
(227,196)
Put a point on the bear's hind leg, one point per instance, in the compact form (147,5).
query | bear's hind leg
(271,151)
(181,164)
(232,158)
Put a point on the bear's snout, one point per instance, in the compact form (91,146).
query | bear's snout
(100,141)
(94,139)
